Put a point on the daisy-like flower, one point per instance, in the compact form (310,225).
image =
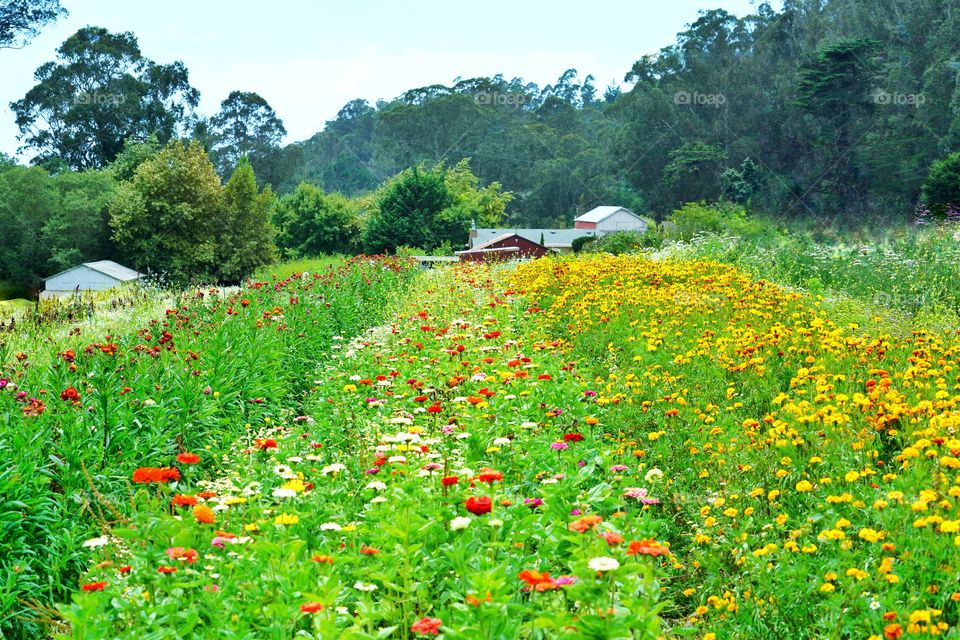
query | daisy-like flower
(336,467)
(330,526)
(376,485)
(458,523)
(363,586)
(604,564)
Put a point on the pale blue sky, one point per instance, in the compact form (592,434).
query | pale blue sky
(308,58)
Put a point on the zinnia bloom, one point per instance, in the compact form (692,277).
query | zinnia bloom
(188,458)
(311,607)
(427,626)
(149,475)
(265,443)
(166,569)
(489,476)
(479,506)
(93,586)
(204,514)
(70,394)
(647,548)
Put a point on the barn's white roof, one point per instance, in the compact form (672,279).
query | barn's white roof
(106,267)
(597,214)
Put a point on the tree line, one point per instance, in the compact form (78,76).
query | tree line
(825,110)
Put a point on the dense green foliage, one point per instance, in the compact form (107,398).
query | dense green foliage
(21,20)
(167,372)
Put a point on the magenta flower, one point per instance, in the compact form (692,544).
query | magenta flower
(559,445)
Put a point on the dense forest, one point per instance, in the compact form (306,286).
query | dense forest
(826,110)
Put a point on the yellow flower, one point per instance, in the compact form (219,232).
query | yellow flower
(804,486)
(826,587)
(287,518)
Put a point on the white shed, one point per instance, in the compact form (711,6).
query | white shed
(609,219)
(89,276)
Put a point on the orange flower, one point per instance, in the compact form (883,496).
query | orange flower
(181,500)
(311,607)
(538,581)
(188,458)
(892,631)
(427,626)
(149,475)
(647,547)
(203,514)
(585,523)
(166,569)
(93,586)
(323,559)
(369,551)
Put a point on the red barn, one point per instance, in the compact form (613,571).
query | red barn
(509,246)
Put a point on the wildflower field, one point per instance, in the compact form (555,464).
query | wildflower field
(596,447)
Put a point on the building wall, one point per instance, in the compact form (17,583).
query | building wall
(578,224)
(83,276)
(621,221)
(527,249)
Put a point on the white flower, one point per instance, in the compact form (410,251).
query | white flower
(280,492)
(495,522)
(343,611)
(604,563)
(330,526)
(459,523)
(284,471)
(397,459)
(377,500)
(528,425)
(295,459)
(653,475)
(499,442)
(96,542)
(376,485)
(462,436)
(336,467)
(400,420)
(360,586)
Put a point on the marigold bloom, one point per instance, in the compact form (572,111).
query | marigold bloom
(203,514)
(427,626)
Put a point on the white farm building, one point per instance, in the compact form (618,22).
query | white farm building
(89,276)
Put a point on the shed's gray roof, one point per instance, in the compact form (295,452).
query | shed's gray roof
(551,237)
(598,214)
(106,267)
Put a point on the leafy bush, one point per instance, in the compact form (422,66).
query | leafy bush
(701,217)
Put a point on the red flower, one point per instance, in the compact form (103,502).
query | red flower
(70,394)
(572,437)
(166,569)
(265,443)
(479,506)
(93,586)
(322,559)
(188,458)
(311,607)
(125,569)
(149,475)
(368,551)
(449,480)
(426,626)
(434,408)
